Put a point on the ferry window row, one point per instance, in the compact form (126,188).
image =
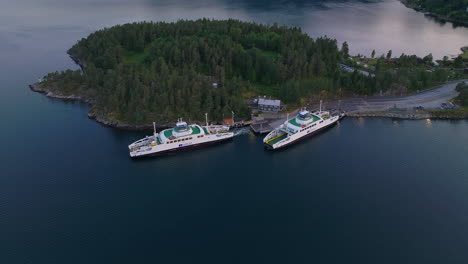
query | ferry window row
(307,127)
(179,140)
(200,136)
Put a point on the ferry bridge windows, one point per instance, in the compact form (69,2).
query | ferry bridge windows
(304,129)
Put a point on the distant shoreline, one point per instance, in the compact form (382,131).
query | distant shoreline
(440,17)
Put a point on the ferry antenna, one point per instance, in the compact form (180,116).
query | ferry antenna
(232,118)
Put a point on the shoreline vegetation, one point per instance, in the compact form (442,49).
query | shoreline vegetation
(136,73)
(454,11)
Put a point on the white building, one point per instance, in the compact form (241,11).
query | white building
(269,105)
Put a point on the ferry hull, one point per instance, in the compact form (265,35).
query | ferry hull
(183,149)
(270,147)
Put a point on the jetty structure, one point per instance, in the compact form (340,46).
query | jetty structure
(303,125)
(183,137)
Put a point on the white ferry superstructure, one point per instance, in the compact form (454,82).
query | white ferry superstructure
(183,137)
(304,125)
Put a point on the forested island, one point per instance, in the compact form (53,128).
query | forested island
(140,72)
(450,10)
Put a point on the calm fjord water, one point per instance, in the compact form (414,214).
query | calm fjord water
(366,191)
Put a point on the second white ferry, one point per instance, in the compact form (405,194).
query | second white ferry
(303,125)
(181,138)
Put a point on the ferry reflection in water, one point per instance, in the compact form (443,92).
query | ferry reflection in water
(428,123)
(361,121)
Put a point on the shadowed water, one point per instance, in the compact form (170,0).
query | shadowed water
(365,191)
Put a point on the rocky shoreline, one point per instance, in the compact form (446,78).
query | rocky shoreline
(91,114)
(36,88)
(75,59)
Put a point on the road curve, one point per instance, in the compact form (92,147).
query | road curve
(430,99)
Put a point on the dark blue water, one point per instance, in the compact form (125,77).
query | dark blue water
(366,191)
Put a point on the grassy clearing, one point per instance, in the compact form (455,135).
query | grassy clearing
(135,57)
(269,90)
(270,54)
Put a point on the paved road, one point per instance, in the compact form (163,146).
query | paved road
(430,99)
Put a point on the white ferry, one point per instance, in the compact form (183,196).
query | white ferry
(181,138)
(302,126)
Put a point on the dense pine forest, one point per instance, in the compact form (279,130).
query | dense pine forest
(148,71)
(144,71)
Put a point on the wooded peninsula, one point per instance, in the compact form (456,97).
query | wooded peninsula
(140,72)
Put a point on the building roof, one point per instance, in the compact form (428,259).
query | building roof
(270,102)
(228,121)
